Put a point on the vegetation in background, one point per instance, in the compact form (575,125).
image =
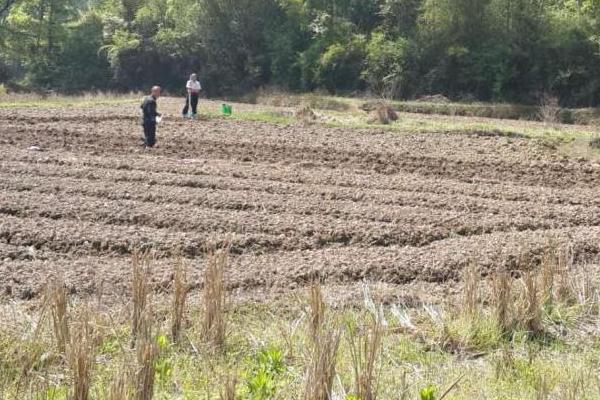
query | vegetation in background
(521,51)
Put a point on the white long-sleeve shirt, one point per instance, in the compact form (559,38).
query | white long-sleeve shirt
(194,86)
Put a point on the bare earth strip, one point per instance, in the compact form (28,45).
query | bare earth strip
(297,202)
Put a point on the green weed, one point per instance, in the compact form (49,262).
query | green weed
(262,382)
(428,393)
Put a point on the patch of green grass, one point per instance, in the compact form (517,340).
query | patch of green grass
(271,117)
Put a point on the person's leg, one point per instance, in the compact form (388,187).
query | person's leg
(151,135)
(146,134)
(187,106)
(194,104)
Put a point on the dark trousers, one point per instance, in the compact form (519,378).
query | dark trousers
(149,133)
(193,99)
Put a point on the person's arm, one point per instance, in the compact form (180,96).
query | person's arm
(188,86)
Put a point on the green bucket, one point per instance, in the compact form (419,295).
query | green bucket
(226,109)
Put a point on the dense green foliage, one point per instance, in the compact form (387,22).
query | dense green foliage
(501,50)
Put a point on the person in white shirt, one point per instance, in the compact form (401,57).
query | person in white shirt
(193,91)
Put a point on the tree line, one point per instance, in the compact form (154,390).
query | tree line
(489,50)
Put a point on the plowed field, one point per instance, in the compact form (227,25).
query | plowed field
(297,202)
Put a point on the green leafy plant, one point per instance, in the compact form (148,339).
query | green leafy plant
(163,367)
(262,381)
(428,393)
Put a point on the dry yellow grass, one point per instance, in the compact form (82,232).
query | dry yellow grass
(140,290)
(365,350)
(229,390)
(471,280)
(179,298)
(324,337)
(502,298)
(81,357)
(119,388)
(147,352)
(213,296)
(56,299)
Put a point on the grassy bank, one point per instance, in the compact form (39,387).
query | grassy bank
(530,334)
(543,113)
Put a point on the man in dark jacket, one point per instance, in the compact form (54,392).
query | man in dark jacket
(149,114)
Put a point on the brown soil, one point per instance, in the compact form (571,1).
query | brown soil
(297,202)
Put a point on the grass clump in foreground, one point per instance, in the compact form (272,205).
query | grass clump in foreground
(527,333)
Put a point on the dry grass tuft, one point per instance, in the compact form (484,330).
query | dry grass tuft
(549,109)
(317,312)
(556,279)
(323,348)
(119,387)
(179,297)
(365,350)
(81,357)
(502,300)
(229,389)
(214,322)
(57,300)
(140,290)
(471,291)
(321,369)
(306,115)
(147,353)
(383,115)
(531,306)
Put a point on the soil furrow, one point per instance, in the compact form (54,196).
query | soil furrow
(375,158)
(440,263)
(424,210)
(361,188)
